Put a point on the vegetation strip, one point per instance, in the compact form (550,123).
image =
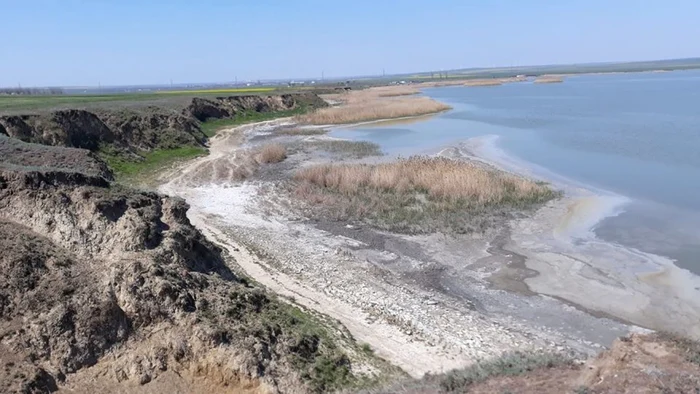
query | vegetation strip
(212,126)
(125,169)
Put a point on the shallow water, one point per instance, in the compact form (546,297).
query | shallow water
(634,138)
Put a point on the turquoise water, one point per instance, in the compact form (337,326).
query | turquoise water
(631,135)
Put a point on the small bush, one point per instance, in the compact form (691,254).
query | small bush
(272,153)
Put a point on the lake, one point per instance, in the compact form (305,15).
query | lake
(634,138)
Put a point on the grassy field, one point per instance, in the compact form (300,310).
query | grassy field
(211,127)
(129,170)
(176,99)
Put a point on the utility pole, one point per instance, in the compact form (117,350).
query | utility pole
(323,76)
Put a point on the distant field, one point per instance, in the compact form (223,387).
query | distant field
(175,99)
(219,91)
(36,102)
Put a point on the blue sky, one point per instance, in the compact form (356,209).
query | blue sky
(116,42)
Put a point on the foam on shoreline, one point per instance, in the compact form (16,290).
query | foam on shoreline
(590,205)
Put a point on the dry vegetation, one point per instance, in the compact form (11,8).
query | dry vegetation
(396,91)
(271,153)
(549,79)
(493,81)
(374,104)
(483,82)
(418,194)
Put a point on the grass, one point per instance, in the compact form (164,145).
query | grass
(300,131)
(483,82)
(35,102)
(126,169)
(416,195)
(211,127)
(510,364)
(272,153)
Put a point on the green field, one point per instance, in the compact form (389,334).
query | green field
(176,99)
(211,127)
(128,170)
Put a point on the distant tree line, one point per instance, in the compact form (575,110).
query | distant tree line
(31,91)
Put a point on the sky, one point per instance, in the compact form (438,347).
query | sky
(128,42)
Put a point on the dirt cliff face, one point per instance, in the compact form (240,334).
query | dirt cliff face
(72,128)
(112,286)
(228,107)
(144,129)
(16,154)
(153,128)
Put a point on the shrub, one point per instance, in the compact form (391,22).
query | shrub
(272,153)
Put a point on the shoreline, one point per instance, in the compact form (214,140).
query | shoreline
(414,287)
(451,300)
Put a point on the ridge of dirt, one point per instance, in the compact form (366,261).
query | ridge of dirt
(131,130)
(112,288)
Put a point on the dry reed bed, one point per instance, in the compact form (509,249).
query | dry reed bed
(373,109)
(549,79)
(493,81)
(484,82)
(417,194)
(271,153)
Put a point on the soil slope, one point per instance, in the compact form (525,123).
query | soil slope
(111,287)
(143,129)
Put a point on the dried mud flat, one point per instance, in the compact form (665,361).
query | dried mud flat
(426,303)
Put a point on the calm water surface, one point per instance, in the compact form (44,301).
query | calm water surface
(632,135)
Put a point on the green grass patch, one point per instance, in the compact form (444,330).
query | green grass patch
(127,169)
(38,102)
(211,127)
(510,364)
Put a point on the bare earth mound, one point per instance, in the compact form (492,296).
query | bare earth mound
(111,287)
